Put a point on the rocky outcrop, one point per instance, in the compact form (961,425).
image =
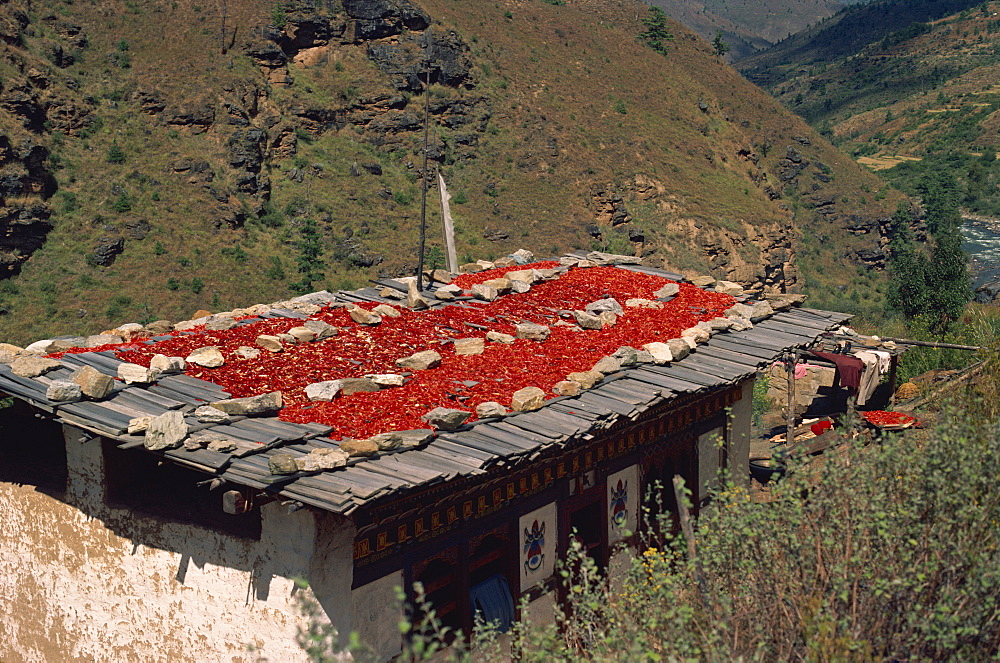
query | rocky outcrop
(25,185)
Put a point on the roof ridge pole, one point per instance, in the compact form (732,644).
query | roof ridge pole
(423,174)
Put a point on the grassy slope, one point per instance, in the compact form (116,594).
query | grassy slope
(549,72)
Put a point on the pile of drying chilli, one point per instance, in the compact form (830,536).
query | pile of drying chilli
(461,381)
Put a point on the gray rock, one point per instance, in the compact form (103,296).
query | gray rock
(414,299)
(678,348)
(220,324)
(209,356)
(644,357)
(699,334)
(93,384)
(608,318)
(270,343)
(63,391)
(164,365)
(484,292)
(359,448)
(638,302)
(703,281)
(738,310)
(586,379)
(350,386)
(520,287)
(363,317)
(247,352)
(384,380)
(528,276)
(322,330)
(469,346)
(729,288)
(490,409)
(42,347)
(609,304)
(420,361)
(628,356)
(302,334)
(523,256)
(527,399)
(401,438)
(166,431)
(608,365)
(158,327)
(442,418)
(98,340)
(206,414)
(660,352)
(760,311)
(740,324)
(612,259)
(386,311)
(499,337)
(134,374)
(501,285)
(669,290)
(532,331)
(567,388)
(323,391)
(282,464)
(138,425)
(222,446)
(32,367)
(444,295)
(318,462)
(252,405)
(588,320)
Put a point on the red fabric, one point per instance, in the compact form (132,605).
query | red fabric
(820,427)
(848,368)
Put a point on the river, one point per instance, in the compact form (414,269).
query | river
(982,242)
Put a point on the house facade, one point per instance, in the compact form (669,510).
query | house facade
(116,551)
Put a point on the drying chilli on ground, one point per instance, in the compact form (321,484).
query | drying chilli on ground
(461,381)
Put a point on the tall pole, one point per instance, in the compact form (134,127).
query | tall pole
(423,176)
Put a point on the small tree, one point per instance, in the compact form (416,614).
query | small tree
(720,47)
(115,154)
(656,31)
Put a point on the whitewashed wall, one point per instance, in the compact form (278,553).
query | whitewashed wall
(81,581)
(739,436)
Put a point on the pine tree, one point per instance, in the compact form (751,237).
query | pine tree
(656,31)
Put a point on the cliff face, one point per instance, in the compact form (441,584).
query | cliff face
(169,159)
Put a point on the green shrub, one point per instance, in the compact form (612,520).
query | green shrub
(122,204)
(115,154)
(197,285)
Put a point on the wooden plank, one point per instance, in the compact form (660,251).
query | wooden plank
(732,357)
(568,407)
(622,393)
(734,344)
(711,366)
(523,436)
(97,412)
(655,375)
(450,446)
(549,428)
(612,404)
(691,375)
(204,457)
(461,464)
(154,400)
(409,470)
(489,445)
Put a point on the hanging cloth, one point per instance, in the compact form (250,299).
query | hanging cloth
(492,599)
(848,368)
(869,376)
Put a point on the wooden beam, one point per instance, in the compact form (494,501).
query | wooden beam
(930,344)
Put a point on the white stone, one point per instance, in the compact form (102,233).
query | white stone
(469,346)
(697,333)
(532,331)
(489,409)
(42,347)
(208,356)
(63,391)
(134,374)
(660,352)
(484,292)
(138,425)
(270,343)
(166,431)
(669,290)
(386,379)
(386,311)
(499,337)
(588,320)
(519,287)
(364,317)
(302,334)
(729,288)
(420,361)
(98,340)
(206,414)
(247,352)
(642,303)
(323,391)
(164,365)
(527,399)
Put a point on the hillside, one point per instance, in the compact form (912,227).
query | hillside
(918,101)
(842,36)
(161,157)
(748,26)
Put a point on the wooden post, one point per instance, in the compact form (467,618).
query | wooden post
(791,360)
(892,380)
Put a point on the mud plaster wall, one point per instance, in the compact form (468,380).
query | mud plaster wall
(82,581)
(740,419)
(377,614)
